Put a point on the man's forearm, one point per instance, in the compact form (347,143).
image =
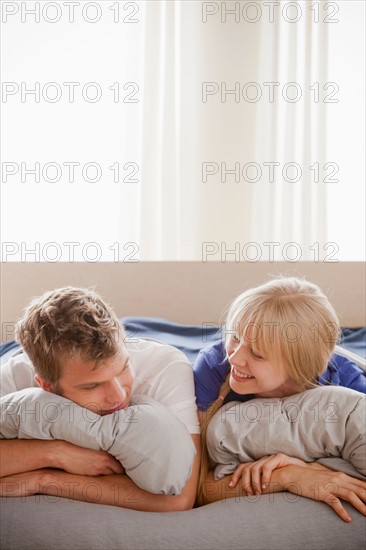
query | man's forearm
(120,490)
(24,455)
(113,490)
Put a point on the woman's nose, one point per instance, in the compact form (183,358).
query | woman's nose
(238,356)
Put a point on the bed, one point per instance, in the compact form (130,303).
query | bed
(281,521)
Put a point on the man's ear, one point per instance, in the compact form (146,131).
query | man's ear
(44,384)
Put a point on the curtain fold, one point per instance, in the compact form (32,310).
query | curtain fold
(179,212)
(292,134)
(159,205)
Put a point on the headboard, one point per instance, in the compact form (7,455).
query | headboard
(184,292)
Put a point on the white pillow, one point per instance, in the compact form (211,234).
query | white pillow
(327,421)
(153,445)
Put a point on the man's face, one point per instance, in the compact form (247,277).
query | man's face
(103,390)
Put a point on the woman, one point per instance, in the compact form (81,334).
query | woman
(279,340)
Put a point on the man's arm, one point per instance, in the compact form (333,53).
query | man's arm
(114,490)
(24,455)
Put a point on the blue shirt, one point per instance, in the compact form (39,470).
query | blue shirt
(212,366)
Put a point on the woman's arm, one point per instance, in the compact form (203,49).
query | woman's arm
(312,481)
(317,483)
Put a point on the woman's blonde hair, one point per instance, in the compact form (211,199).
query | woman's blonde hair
(288,320)
(68,321)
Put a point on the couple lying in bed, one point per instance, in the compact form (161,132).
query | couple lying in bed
(88,415)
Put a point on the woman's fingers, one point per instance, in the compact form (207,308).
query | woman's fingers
(261,470)
(332,492)
(322,484)
(271,464)
(243,473)
(355,498)
(236,475)
(328,486)
(246,480)
(255,476)
(337,506)
(332,498)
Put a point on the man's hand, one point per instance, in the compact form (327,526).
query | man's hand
(25,455)
(320,483)
(82,461)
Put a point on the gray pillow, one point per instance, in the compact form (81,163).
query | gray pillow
(327,421)
(152,444)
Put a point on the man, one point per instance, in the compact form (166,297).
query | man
(76,347)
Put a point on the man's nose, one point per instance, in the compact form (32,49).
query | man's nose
(116,392)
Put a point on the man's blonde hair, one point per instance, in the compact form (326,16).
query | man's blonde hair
(68,322)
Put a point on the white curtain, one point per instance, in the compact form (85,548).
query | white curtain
(180,215)
(168,209)
(160,192)
(293,134)
(170,197)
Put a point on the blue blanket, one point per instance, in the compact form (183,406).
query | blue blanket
(191,339)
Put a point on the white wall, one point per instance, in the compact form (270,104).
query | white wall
(184,292)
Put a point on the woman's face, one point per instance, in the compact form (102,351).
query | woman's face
(251,373)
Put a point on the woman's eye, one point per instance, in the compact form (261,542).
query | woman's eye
(256,356)
(91,387)
(236,339)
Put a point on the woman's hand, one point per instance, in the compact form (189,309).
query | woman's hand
(317,482)
(256,475)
